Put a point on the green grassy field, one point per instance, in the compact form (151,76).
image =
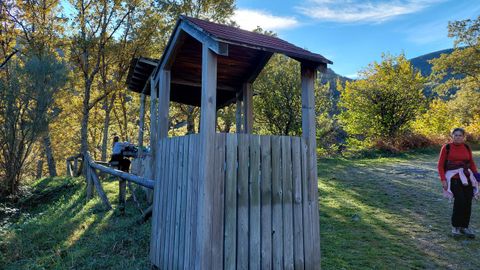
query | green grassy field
(376,213)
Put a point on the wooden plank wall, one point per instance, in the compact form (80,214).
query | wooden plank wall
(258,204)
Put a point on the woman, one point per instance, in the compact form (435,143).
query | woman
(454,167)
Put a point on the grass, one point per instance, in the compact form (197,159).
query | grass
(55,229)
(388,213)
(375,213)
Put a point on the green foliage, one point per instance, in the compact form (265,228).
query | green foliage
(384,102)
(437,122)
(277,104)
(26,107)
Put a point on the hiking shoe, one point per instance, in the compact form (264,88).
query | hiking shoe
(467,232)
(456,232)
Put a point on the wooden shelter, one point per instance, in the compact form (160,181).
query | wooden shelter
(228,201)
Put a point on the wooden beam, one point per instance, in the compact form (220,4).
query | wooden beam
(153,115)
(263,60)
(206,181)
(206,39)
(312,241)
(199,84)
(174,44)
(144,182)
(248,108)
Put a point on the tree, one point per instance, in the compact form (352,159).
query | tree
(277,101)
(26,99)
(384,102)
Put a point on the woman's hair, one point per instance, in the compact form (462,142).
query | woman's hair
(116,139)
(458,129)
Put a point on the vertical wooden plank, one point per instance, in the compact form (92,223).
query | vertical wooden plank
(254,203)
(195,197)
(230,233)
(188,203)
(183,207)
(162,200)
(248,108)
(307,221)
(169,203)
(242,202)
(207,140)
(266,205)
(178,192)
(297,204)
(287,203)
(218,202)
(277,196)
(308,74)
(172,213)
(157,223)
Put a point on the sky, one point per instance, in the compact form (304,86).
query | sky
(354,33)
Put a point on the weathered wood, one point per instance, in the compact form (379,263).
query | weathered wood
(69,169)
(124,175)
(163,178)
(248,108)
(163,103)
(99,188)
(170,204)
(266,203)
(122,194)
(178,198)
(75,166)
(183,205)
(39,169)
(207,139)
(254,202)
(230,231)
(242,202)
(88,177)
(287,203)
(299,259)
(218,202)
(277,196)
(308,75)
(192,251)
(238,114)
(141,125)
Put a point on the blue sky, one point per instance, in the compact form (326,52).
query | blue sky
(355,33)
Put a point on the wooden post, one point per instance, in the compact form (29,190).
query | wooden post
(122,194)
(141,125)
(163,103)
(238,113)
(69,169)
(75,166)
(39,169)
(248,108)
(206,171)
(153,115)
(312,241)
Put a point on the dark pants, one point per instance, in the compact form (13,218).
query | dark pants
(462,204)
(123,163)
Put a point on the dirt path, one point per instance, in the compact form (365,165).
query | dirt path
(390,214)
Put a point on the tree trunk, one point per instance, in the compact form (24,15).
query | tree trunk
(47,144)
(85,117)
(190,120)
(106,125)
(39,169)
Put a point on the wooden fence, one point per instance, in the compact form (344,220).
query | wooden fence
(261,207)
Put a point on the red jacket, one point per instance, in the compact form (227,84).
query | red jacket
(457,153)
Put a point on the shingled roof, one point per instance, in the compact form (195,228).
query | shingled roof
(237,36)
(241,55)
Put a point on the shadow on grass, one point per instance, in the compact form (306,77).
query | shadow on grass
(374,218)
(66,233)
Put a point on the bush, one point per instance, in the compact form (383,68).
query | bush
(408,141)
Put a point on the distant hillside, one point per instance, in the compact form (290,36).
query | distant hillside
(421,62)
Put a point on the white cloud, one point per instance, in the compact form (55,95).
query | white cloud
(362,11)
(249,19)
